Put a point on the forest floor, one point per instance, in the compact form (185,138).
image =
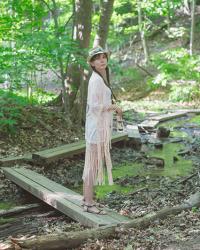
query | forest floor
(175,232)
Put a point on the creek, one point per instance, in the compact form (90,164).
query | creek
(132,175)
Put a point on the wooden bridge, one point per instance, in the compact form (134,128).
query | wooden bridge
(61,198)
(67,150)
(56,195)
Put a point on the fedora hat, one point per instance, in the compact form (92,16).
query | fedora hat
(95,51)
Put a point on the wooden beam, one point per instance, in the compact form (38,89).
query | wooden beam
(169,116)
(59,197)
(69,149)
(148,124)
(15,159)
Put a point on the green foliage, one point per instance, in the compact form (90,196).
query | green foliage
(195,209)
(31,42)
(180,71)
(124,22)
(12,104)
(10,110)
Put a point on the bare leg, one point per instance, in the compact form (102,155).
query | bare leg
(88,193)
(88,186)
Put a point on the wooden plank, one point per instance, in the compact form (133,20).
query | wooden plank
(69,146)
(56,200)
(63,199)
(169,116)
(119,137)
(70,149)
(133,131)
(68,193)
(196,111)
(15,159)
(148,124)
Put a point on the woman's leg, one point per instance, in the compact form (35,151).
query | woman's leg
(89,181)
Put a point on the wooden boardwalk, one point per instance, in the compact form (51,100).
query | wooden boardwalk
(153,121)
(61,198)
(71,149)
(56,153)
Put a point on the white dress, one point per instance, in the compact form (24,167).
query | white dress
(98,131)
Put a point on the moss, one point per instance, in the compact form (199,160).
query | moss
(196,119)
(177,133)
(7,220)
(118,172)
(6,205)
(172,169)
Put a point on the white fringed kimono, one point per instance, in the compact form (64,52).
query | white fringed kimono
(98,131)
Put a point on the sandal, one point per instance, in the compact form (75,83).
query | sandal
(93,209)
(96,204)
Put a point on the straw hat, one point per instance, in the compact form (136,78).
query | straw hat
(95,51)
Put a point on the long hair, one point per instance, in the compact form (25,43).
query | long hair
(107,83)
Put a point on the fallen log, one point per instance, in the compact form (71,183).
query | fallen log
(75,239)
(18,209)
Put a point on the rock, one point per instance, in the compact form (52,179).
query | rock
(158,145)
(175,158)
(162,132)
(159,162)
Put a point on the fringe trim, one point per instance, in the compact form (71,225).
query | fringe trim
(96,156)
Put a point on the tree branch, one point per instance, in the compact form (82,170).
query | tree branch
(56,74)
(65,25)
(47,5)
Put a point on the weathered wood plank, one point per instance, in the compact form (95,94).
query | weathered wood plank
(15,159)
(61,198)
(169,116)
(56,200)
(133,131)
(196,111)
(70,149)
(68,193)
(148,124)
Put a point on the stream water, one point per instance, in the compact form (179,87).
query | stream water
(133,175)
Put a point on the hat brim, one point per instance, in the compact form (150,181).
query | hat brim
(100,52)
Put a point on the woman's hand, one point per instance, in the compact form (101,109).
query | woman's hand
(115,108)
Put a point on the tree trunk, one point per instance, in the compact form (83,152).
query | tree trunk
(82,30)
(100,39)
(142,32)
(186,7)
(103,29)
(74,239)
(192,27)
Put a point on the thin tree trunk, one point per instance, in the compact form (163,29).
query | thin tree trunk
(192,27)
(100,39)
(186,7)
(168,15)
(103,29)
(142,32)
(75,76)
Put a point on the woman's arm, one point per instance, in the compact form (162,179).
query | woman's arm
(115,108)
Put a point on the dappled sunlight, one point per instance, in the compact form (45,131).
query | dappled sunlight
(51,198)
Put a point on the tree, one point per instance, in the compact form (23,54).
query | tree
(106,7)
(81,35)
(192,27)
(142,31)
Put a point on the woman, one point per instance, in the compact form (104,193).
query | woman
(98,128)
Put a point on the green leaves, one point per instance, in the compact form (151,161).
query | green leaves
(180,71)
